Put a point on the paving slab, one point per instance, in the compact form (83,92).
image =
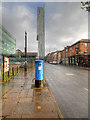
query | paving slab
(9,106)
(25,106)
(22,100)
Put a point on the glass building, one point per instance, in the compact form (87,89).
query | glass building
(7,42)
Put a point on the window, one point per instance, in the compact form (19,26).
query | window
(76,52)
(70,49)
(85,51)
(66,54)
(66,49)
(85,45)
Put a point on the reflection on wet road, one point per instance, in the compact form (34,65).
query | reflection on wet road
(70,88)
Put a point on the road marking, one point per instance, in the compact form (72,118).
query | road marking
(86,89)
(69,74)
(39,107)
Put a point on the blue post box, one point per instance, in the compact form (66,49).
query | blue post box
(38,72)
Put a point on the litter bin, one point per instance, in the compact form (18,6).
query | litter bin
(38,72)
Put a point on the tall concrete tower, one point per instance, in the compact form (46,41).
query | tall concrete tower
(41,31)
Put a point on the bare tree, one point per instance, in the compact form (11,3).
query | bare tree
(86,6)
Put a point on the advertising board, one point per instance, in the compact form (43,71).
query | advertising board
(6,64)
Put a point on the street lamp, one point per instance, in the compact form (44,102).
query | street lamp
(25,68)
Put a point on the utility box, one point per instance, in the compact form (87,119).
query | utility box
(38,72)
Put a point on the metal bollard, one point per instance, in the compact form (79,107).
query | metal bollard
(38,72)
(8,74)
(12,71)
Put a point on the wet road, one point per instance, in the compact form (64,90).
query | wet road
(69,85)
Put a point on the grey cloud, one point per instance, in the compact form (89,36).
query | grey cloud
(41,0)
(65,24)
(68,27)
(0,13)
(17,21)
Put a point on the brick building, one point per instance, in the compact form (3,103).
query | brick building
(79,53)
(59,57)
(76,54)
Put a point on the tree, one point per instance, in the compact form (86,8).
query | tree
(86,5)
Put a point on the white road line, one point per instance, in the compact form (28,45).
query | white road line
(70,74)
(86,89)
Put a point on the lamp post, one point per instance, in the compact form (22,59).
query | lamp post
(3,67)
(25,51)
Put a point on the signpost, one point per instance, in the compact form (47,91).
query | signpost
(5,65)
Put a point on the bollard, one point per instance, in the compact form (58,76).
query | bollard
(17,69)
(38,72)
(12,71)
(8,74)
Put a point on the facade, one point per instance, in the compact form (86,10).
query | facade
(79,53)
(76,54)
(7,42)
(19,52)
(19,56)
(59,57)
(52,57)
(41,32)
(48,57)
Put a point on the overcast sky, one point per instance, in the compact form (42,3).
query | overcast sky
(65,23)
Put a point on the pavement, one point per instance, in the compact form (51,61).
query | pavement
(69,86)
(20,98)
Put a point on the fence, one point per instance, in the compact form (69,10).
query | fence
(13,71)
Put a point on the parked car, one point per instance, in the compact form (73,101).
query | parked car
(55,62)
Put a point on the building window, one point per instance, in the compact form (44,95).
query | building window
(70,53)
(66,49)
(70,49)
(66,54)
(85,51)
(76,52)
(85,45)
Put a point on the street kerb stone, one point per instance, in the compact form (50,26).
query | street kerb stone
(13,117)
(41,115)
